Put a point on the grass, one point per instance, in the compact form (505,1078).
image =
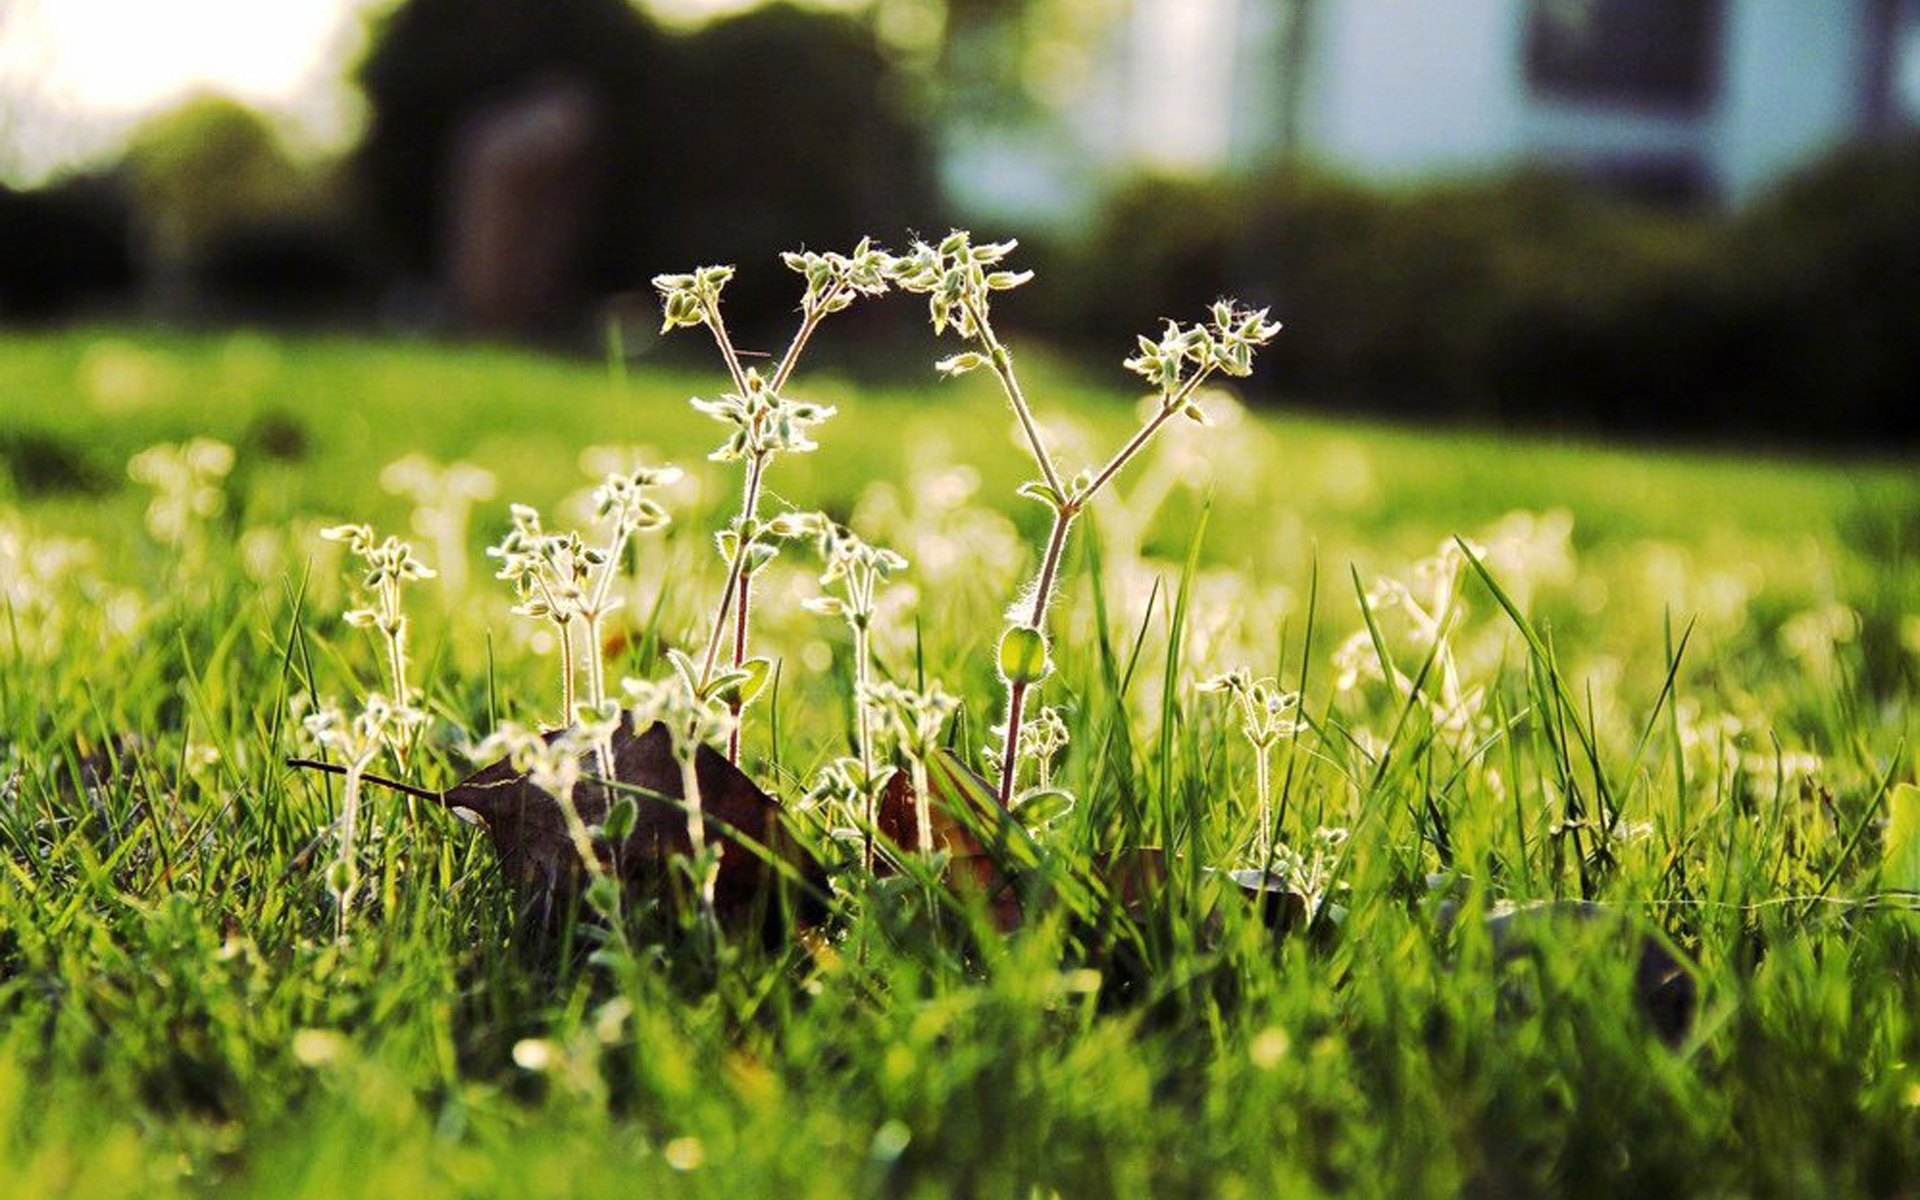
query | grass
(1699,713)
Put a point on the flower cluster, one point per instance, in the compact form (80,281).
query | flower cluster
(621,500)
(558,577)
(691,299)
(357,740)
(763,423)
(1042,738)
(693,714)
(1310,873)
(956,277)
(389,565)
(186,482)
(1267,714)
(912,716)
(1185,354)
(549,571)
(833,280)
(855,567)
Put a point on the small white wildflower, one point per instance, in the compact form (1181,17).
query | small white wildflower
(186,482)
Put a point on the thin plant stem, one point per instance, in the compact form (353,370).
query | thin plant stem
(727,352)
(750,503)
(566,671)
(578,834)
(808,324)
(596,670)
(697,833)
(869,800)
(393,628)
(1064,513)
(1002,363)
(922,810)
(1169,406)
(596,664)
(742,613)
(1016,704)
(349,832)
(1063,516)
(1262,785)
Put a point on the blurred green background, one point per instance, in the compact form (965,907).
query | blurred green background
(1657,217)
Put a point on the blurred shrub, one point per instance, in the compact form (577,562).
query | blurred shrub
(1829,269)
(197,170)
(435,63)
(297,266)
(766,131)
(789,128)
(1534,297)
(63,247)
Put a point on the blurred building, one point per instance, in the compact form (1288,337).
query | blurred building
(1676,99)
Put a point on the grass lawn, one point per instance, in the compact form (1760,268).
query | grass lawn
(1698,715)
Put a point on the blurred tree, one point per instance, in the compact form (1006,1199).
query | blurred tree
(63,246)
(1828,277)
(436,63)
(772,129)
(789,128)
(197,172)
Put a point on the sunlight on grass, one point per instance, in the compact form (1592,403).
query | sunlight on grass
(1556,703)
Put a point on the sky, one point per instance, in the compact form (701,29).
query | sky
(76,75)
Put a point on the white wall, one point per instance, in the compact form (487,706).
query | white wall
(1410,87)
(1404,88)
(1791,87)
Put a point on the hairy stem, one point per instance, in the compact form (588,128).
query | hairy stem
(719,327)
(922,804)
(394,626)
(736,569)
(1002,363)
(1263,787)
(869,796)
(1170,405)
(808,323)
(566,671)
(697,834)
(742,613)
(577,833)
(349,859)
(1017,691)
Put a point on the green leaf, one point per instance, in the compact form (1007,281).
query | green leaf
(1038,809)
(621,816)
(1900,859)
(758,672)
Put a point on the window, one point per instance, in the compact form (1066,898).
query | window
(1659,54)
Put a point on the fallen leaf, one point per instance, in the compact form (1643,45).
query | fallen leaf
(971,870)
(529,831)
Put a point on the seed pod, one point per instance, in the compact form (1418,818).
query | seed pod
(1023,655)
